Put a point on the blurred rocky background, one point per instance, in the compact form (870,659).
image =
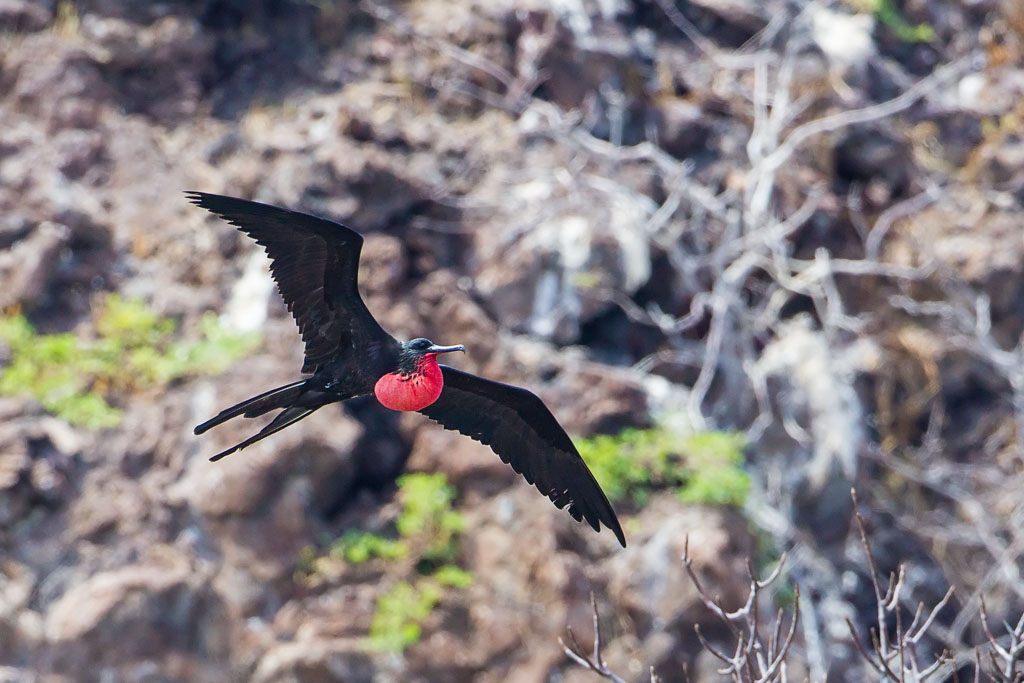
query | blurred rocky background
(752,254)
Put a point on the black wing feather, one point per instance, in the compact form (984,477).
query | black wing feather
(315,263)
(523,432)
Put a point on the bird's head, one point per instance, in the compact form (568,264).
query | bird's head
(417,351)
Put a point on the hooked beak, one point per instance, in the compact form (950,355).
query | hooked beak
(445,349)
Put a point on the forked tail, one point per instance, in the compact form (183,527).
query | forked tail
(286,417)
(299,400)
(281,397)
(296,398)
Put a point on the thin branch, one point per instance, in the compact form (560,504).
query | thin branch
(593,662)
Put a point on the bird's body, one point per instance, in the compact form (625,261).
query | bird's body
(315,264)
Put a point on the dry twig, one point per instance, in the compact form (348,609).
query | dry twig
(594,662)
(755,658)
(896,659)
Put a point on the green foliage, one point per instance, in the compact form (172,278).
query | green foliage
(428,530)
(705,467)
(887,13)
(133,349)
(427,526)
(625,464)
(426,513)
(426,522)
(360,546)
(716,476)
(456,577)
(400,613)
(52,369)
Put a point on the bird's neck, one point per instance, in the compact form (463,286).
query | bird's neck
(413,390)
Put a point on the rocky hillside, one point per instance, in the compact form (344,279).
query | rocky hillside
(778,243)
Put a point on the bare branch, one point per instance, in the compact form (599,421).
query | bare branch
(593,662)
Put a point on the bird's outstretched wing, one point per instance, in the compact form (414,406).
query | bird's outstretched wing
(315,263)
(523,432)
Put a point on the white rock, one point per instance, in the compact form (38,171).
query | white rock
(246,310)
(844,38)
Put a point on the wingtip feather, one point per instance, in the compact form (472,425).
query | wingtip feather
(619,536)
(612,522)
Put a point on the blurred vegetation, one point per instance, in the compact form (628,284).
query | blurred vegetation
(359,546)
(716,474)
(455,577)
(427,524)
(889,15)
(428,531)
(400,613)
(398,620)
(133,348)
(704,468)
(427,515)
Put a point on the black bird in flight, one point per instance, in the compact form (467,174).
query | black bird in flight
(315,263)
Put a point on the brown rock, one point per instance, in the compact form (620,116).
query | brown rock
(681,129)
(26,268)
(382,265)
(23,16)
(980,242)
(553,277)
(16,589)
(136,612)
(48,72)
(108,504)
(128,52)
(465,462)
(591,397)
(35,464)
(316,661)
(14,456)
(79,151)
(13,674)
(450,313)
(747,14)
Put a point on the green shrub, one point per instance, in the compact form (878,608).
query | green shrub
(704,468)
(427,526)
(360,546)
(132,349)
(400,613)
(426,513)
(618,464)
(887,13)
(716,475)
(428,530)
(456,577)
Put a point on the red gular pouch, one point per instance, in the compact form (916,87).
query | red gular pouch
(413,390)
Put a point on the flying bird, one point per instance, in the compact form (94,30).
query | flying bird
(315,263)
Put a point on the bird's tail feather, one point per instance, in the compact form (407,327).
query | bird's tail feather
(286,417)
(280,397)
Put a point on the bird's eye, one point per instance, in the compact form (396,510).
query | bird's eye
(422,344)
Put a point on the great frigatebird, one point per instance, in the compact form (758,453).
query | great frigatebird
(315,263)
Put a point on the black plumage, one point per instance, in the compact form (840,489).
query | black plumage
(315,264)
